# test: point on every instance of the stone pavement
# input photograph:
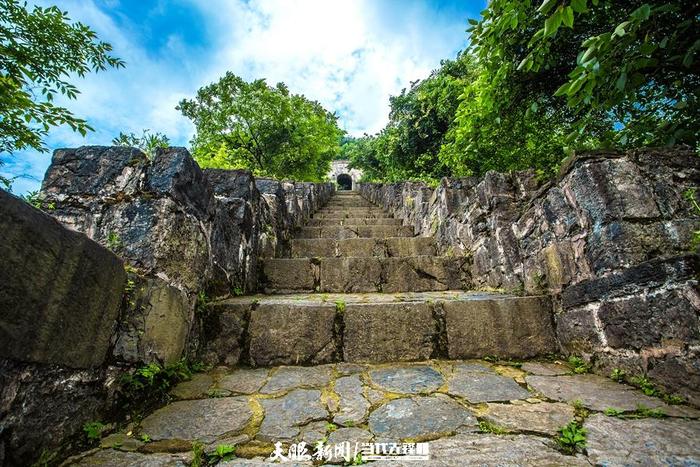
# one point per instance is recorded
(470, 412)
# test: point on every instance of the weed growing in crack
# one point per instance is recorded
(572, 438)
(93, 431)
(643, 383)
(340, 306)
(198, 456)
(612, 412)
(223, 453)
(149, 385)
(674, 399)
(643, 411)
(617, 375)
(114, 243)
(488, 427)
(580, 412)
(578, 365)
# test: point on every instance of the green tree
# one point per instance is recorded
(148, 142)
(562, 75)
(39, 51)
(421, 116)
(262, 128)
(419, 120)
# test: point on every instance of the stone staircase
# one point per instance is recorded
(357, 286)
(361, 338)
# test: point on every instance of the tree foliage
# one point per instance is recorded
(262, 128)
(148, 142)
(545, 78)
(419, 120)
(39, 51)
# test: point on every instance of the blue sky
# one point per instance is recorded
(349, 55)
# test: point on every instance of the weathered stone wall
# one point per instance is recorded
(73, 320)
(610, 238)
(184, 232)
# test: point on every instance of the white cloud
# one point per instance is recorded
(348, 55)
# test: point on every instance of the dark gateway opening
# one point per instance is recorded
(344, 182)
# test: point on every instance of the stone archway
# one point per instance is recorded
(340, 167)
(344, 182)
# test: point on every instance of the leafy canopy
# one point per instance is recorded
(39, 50)
(543, 79)
(419, 119)
(261, 128)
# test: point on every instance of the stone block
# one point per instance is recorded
(350, 274)
(577, 331)
(155, 325)
(649, 319)
(518, 327)
(312, 247)
(289, 274)
(282, 334)
(223, 333)
(388, 332)
(61, 292)
(410, 246)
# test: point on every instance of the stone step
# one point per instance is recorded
(365, 274)
(356, 231)
(324, 222)
(350, 215)
(350, 203)
(357, 209)
(323, 328)
(362, 247)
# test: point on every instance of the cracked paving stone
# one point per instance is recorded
(373, 396)
(121, 442)
(478, 386)
(546, 369)
(407, 380)
(291, 377)
(353, 406)
(203, 419)
(487, 449)
(244, 381)
(419, 417)
(196, 388)
(285, 415)
(351, 435)
(598, 393)
(649, 441)
(313, 433)
(345, 369)
(113, 458)
(545, 417)
(471, 367)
